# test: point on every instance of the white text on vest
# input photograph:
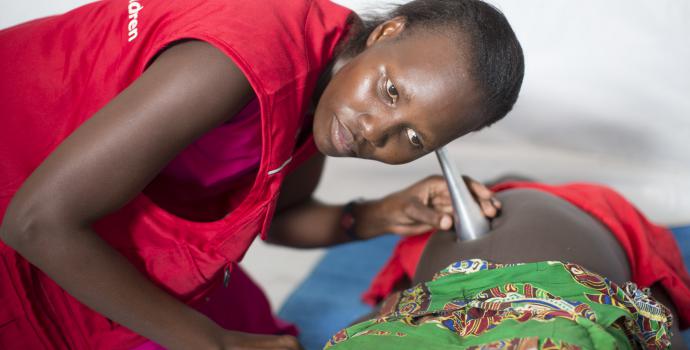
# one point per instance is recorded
(134, 8)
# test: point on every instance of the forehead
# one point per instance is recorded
(432, 70)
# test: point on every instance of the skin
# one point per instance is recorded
(392, 125)
(564, 233)
(188, 90)
(396, 102)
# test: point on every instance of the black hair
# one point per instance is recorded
(498, 64)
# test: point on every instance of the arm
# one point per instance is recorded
(300, 220)
(304, 222)
(188, 90)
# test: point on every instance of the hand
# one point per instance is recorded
(489, 204)
(244, 341)
(421, 207)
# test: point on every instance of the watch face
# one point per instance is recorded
(347, 220)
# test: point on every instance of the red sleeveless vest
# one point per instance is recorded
(58, 71)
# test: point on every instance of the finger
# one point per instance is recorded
(488, 208)
(426, 183)
(422, 214)
(484, 197)
(448, 209)
(441, 200)
(433, 180)
(288, 342)
(284, 342)
(438, 194)
(496, 203)
(435, 187)
(443, 206)
(477, 188)
(411, 230)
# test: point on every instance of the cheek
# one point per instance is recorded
(397, 152)
(353, 88)
(332, 101)
(321, 133)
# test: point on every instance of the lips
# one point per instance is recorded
(342, 137)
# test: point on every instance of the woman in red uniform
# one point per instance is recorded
(146, 143)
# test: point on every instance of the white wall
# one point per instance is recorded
(606, 98)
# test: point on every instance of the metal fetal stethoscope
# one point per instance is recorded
(469, 221)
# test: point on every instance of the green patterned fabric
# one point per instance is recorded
(475, 304)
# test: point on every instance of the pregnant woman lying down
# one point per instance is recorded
(550, 275)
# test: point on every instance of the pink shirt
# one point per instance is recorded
(222, 155)
(211, 176)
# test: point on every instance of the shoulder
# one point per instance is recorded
(232, 11)
(276, 43)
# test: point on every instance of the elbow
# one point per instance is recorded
(273, 237)
(24, 225)
(278, 237)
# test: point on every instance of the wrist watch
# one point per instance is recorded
(348, 221)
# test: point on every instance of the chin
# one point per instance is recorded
(321, 141)
(320, 146)
(326, 148)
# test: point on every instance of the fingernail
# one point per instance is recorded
(446, 222)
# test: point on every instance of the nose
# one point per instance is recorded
(375, 129)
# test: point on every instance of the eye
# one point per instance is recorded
(414, 138)
(391, 91)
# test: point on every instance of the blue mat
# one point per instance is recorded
(329, 299)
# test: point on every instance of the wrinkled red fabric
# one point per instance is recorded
(652, 251)
(59, 71)
(241, 297)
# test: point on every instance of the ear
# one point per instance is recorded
(386, 30)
